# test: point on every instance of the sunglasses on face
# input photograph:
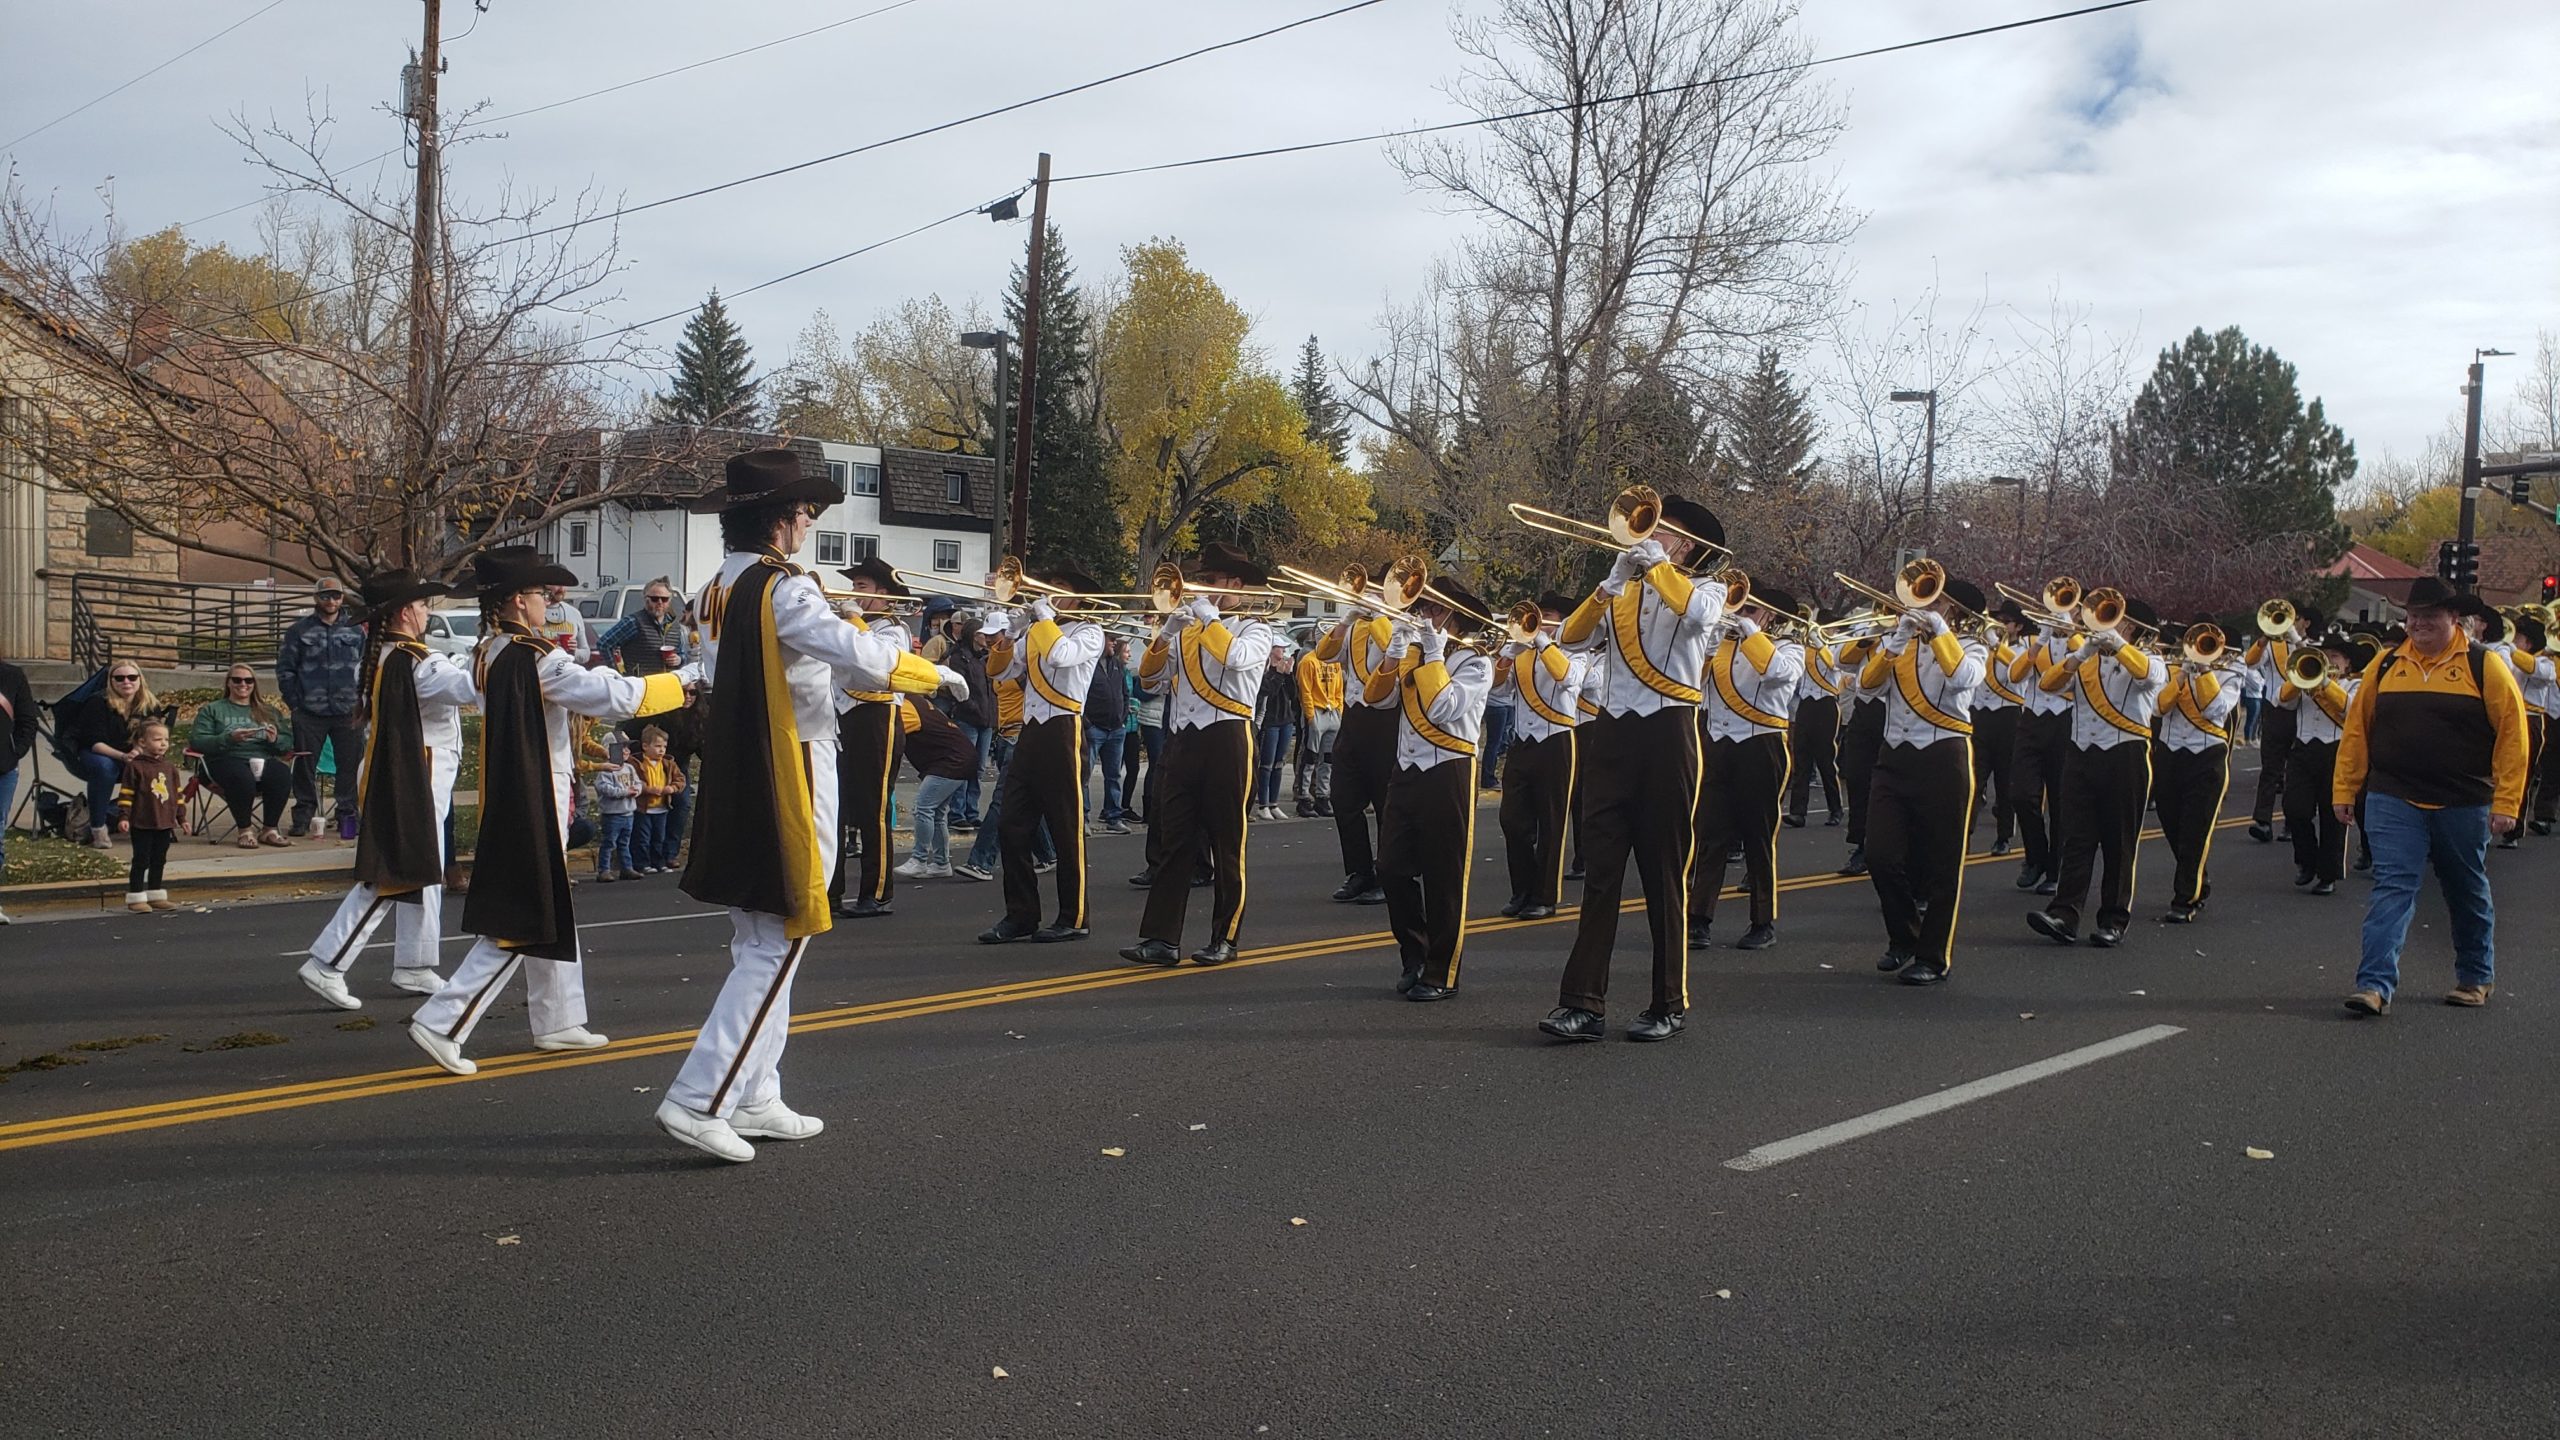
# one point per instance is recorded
(124, 679)
(242, 679)
(658, 599)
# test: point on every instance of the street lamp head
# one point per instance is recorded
(2018, 480)
(2486, 354)
(1909, 397)
(983, 339)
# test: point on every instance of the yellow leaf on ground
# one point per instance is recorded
(1115, 1152)
(2254, 1153)
(1297, 1220)
(1000, 1373)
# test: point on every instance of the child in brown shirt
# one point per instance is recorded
(150, 796)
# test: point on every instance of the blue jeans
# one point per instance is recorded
(1272, 754)
(1104, 750)
(2404, 839)
(982, 851)
(980, 736)
(649, 840)
(1497, 738)
(103, 775)
(613, 843)
(8, 796)
(2249, 707)
(933, 820)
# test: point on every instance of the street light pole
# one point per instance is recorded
(1928, 462)
(2471, 391)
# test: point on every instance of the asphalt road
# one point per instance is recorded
(1501, 1236)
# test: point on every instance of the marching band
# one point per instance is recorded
(1675, 717)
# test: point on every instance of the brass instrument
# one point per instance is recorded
(1524, 623)
(1349, 588)
(1737, 587)
(2037, 608)
(2204, 645)
(2103, 608)
(1633, 517)
(2276, 618)
(889, 604)
(2061, 594)
(2307, 669)
(1408, 583)
(1167, 591)
(1920, 584)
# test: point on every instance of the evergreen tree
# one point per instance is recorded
(2222, 413)
(1765, 429)
(1072, 518)
(715, 380)
(1328, 420)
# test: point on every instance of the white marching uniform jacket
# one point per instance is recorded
(1926, 685)
(2319, 716)
(1207, 667)
(2026, 669)
(1751, 684)
(861, 683)
(1440, 691)
(1052, 661)
(1821, 679)
(1648, 640)
(570, 690)
(2536, 677)
(1359, 643)
(2195, 709)
(1547, 680)
(2112, 696)
(1996, 692)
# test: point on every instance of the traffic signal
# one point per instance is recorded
(2466, 563)
(2551, 587)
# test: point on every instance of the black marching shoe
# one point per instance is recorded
(1406, 981)
(1306, 809)
(1857, 861)
(2364, 859)
(2538, 827)
(1657, 1024)
(1142, 879)
(2028, 874)
(1892, 960)
(1573, 871)
(2051, 884)
(2044, 924)
(2284, 837)
(1005, 932)
(1352, 888)
(1374, 895)
(1792, 822)
(2262, 833)
(865, 908)
(2325, 887)
(2106, 937)
(1423, 991)
(1514, 905)
(1200, 878)
(2001, 846)
(1924, 972)
(1566, 1023)
(1832, 821)
(1152, 952)
(1216, 952)
(1053, 933)
(1698, 935)
(1537, 912)
(1733, 853)
(1325, 808)
(2302, 876)
(1758, 937)
(2513, 839)
(2180, 915)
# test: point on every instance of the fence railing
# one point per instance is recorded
(176, 622)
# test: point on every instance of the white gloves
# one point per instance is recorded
(690, 676)
(1649, 553)
(1744, 627)
(1202, 609)
(2107, 640)
(1036, 612)
(1434, 643)
(953, 682)
(1936, 622)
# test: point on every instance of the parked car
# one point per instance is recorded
(453, 632)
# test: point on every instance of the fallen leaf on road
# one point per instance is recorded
(1115, 1152)
(2026, 1014)
(2137, 992)
(639, 1089)
(1826, 967)
(2254, 1153)
(1297, 1220)
(1724, 1294)
(1000, 1373)
(509, 1239)
(1199, 1127)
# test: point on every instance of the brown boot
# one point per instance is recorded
(2471, 995)
(2367, 1002)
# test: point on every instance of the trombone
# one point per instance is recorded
(2276, 618)
(2307, 669)
(1920, 584)
(2103, 607)
(2055, 609)
(1408, 583)
(1634, 516)
(1348, 588)
(1167, 591)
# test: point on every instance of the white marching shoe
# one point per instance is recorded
(328, 984)
(774, 1120)
(444, 1052)
(417, 979)
(707, 1133)
(576, 1037)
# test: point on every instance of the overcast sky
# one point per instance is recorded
(2372, 187)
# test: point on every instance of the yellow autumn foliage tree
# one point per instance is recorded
(1190, 413)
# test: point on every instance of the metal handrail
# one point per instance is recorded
(178, 622)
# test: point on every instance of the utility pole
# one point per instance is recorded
(1032, 298)
(423, 326)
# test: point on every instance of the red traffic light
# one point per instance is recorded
(2551, 587)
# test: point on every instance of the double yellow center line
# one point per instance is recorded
(98, 1124)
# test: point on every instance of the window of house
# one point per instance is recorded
(577, 537)
(955, 486)
(111, 538)
(840, 475)
(866, 480)
(865, 547)
(831, 547)
(946, 556)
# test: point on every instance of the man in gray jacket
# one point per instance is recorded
(317, 668)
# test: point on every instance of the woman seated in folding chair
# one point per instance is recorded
(241, 745)
(98, 740)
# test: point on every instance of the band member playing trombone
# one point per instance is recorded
(2536, 677)
(1922, 678)
(2282, 629)
(1647, 627)
(2194, 764)
(1748, 704)
(1053, 660)
(1364, 750)
(1427, 828)
(1861, 742)
(1996, 708)
(2044, 739)
(2114, 686)
(1538, 768)
(1813, 736)
(870, 739)
(2318, 702)
(1209, 667)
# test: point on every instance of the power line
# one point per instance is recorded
(592, 94)
(145, 75)
(796, 274)
(1597, 100)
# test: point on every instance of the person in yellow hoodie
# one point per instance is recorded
(2436, 742)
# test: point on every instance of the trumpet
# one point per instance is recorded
(2307, 669)
(2276, 618)
(1634, 516)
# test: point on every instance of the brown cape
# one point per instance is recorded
(400, 850)
(519, 874)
